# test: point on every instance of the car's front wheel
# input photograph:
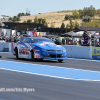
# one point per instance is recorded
(60, 60)
(32, 55)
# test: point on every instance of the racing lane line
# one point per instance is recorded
(84, 59)
(49, 75)
(57, 72)
(50, 66)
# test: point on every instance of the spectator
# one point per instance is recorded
(86, 37)
(3, 38)
(63, 41)
(22, 37)
(53, 39)
(69, 43)
(18, 38)
(7, 39)
(67, 40)
(12, 39)
(15, 40)
(80, 41)
(57, 41)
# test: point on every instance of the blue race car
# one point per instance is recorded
(39, 48)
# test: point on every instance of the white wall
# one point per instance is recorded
(78, 51)
(5, 45)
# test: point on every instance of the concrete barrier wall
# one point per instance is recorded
(5, 47)
(78, 51)
(72, 51)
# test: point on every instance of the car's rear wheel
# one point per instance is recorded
(32, 55)
(16, 52)
(60, 60)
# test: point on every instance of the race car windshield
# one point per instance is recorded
(35, 40)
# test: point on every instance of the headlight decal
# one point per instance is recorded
(54, 50)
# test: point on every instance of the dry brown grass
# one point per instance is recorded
(56, 17)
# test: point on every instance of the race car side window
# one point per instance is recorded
(24, 40)
(34, 40)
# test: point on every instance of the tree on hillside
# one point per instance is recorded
(89, 11)
(10, 19)
(29, 21)
(81, 13)
(76, 24)
(52, 25)
(23, 14)
(67, 17)
(36, 20)
(75, 14)
(14, 19)
(27, 14)
(98, 12)
(18, 19)
(44, 22)
(62, 25)
(71, 24)
(40, 21)
(25, 22)
(67, 26)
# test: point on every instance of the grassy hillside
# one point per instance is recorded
(56, 17)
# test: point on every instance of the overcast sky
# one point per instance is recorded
(13, 7)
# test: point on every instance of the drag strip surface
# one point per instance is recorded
(51, 71)
(69, 63)
(46, 88)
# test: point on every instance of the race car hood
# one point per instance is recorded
(49, 46)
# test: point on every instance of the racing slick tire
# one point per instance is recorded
(60, 60)
(32, 55)
(35, 59)
(0, 56)
(16, 53)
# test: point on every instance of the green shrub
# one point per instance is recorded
(87, 19)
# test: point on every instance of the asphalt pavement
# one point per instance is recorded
(69, 63)
(48, 88)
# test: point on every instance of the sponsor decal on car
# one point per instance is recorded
(46, 43)
(37, 55)
(24, 51)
